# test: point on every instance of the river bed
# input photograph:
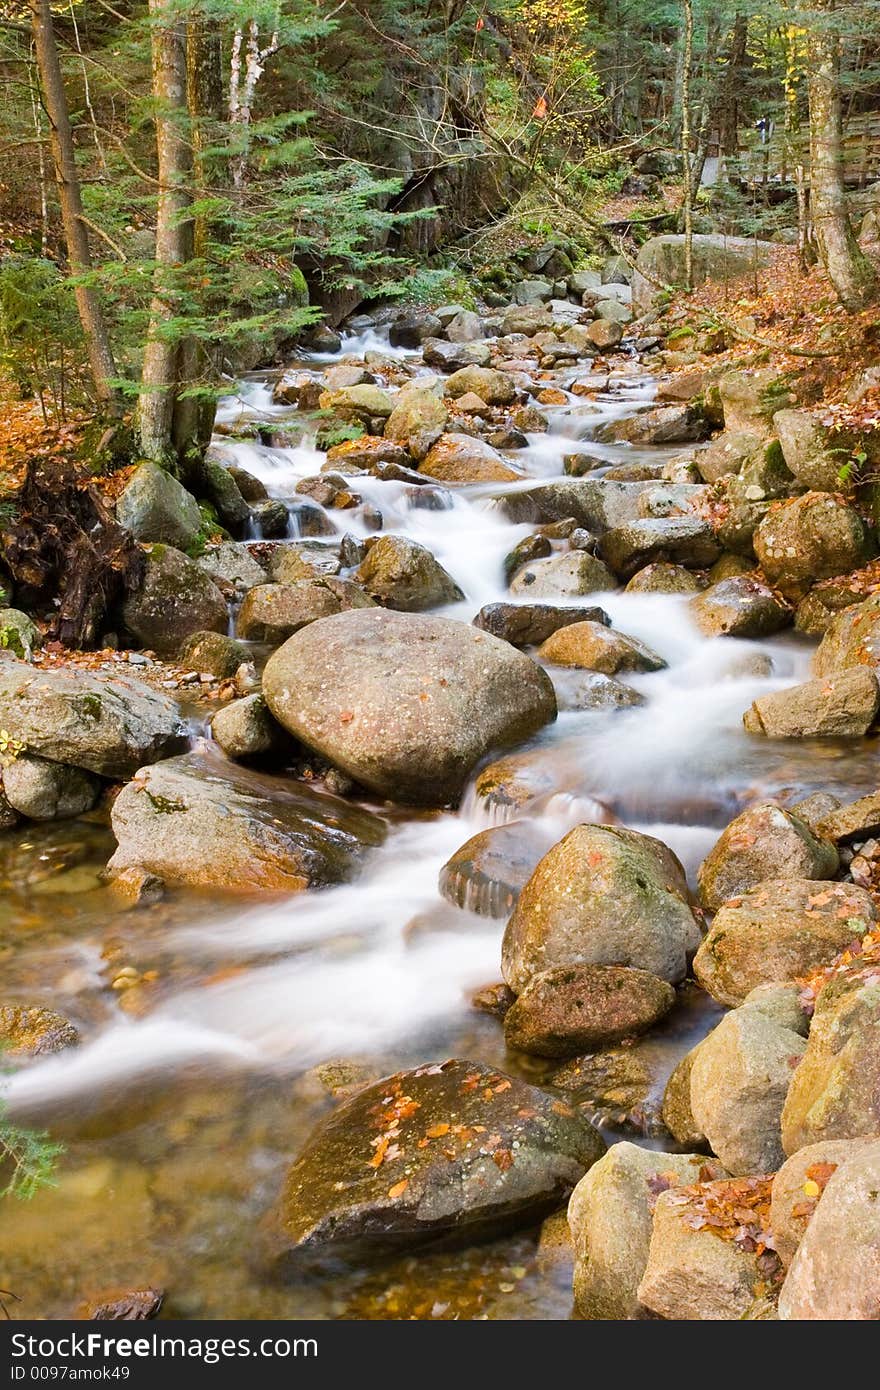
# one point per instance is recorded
(203, 1019)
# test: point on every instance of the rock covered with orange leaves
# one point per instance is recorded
(451, 1149)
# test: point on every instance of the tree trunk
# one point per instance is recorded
(161, 373)
(687, 170)
(78, 253)
(849, 270)
(193, 417)
(729, 112)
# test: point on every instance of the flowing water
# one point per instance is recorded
(205, 1021)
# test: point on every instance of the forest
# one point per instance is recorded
(439, 661)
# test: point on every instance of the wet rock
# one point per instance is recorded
(683, 540)
(155, 507)
(107, 725)
(602, 896)
(528, 624)
(9, 818)
(122, 1305)
(364, 403)
(246, 729)
(418, 413)
(610, 1214)
(807, 454)
(535, 547)
(604, 334)
(835, 1274)
(451, 357)
(692, 1274)
(493, 999)
(570, 1008)
(406, 704)
(273, 612)
(791, 1207)
(412, 327)
(18, 634)
(672, 499)
(817, 609)
(290, 385)
(493, 387)
(533, 292)
(764, 842)
(634, 473)
(781, 930)
(174, 599)
(449, 1150)
(677, 1111)
(661, 424)
(305, 560)
(214, 653)
(367, 452)
(182, 821)
(34, 1032)
(664, 578)
(739, 607)
(852, 639)
(526, 319)
(593, 502)
(509, 784)
(487, 873)
(592, 690)
(270, 518)
(251, 489)
(612, 311)
(810, 538)
(401, 574)
(232, 563)
(461, 458)
(223, 493)
(329, 490)
(465, 327)
(563, 576)
(135, 887)
(739, 1079)
(857, 820)
(835, 1092)
(593, 647)
(613, 1084)
(44, 791)
(841, 706)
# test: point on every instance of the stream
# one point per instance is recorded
(193, 1089)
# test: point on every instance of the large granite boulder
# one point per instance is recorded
(173, 599)
(108, 725)
(780, 930)
(602, 896)
(764, 842)
(405, 703)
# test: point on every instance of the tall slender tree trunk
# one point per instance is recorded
(687, 167)
(729, 106)
(193, 415)
(849, 270)
(161, 375)
(70, 195)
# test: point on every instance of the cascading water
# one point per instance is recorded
(181, 1115)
